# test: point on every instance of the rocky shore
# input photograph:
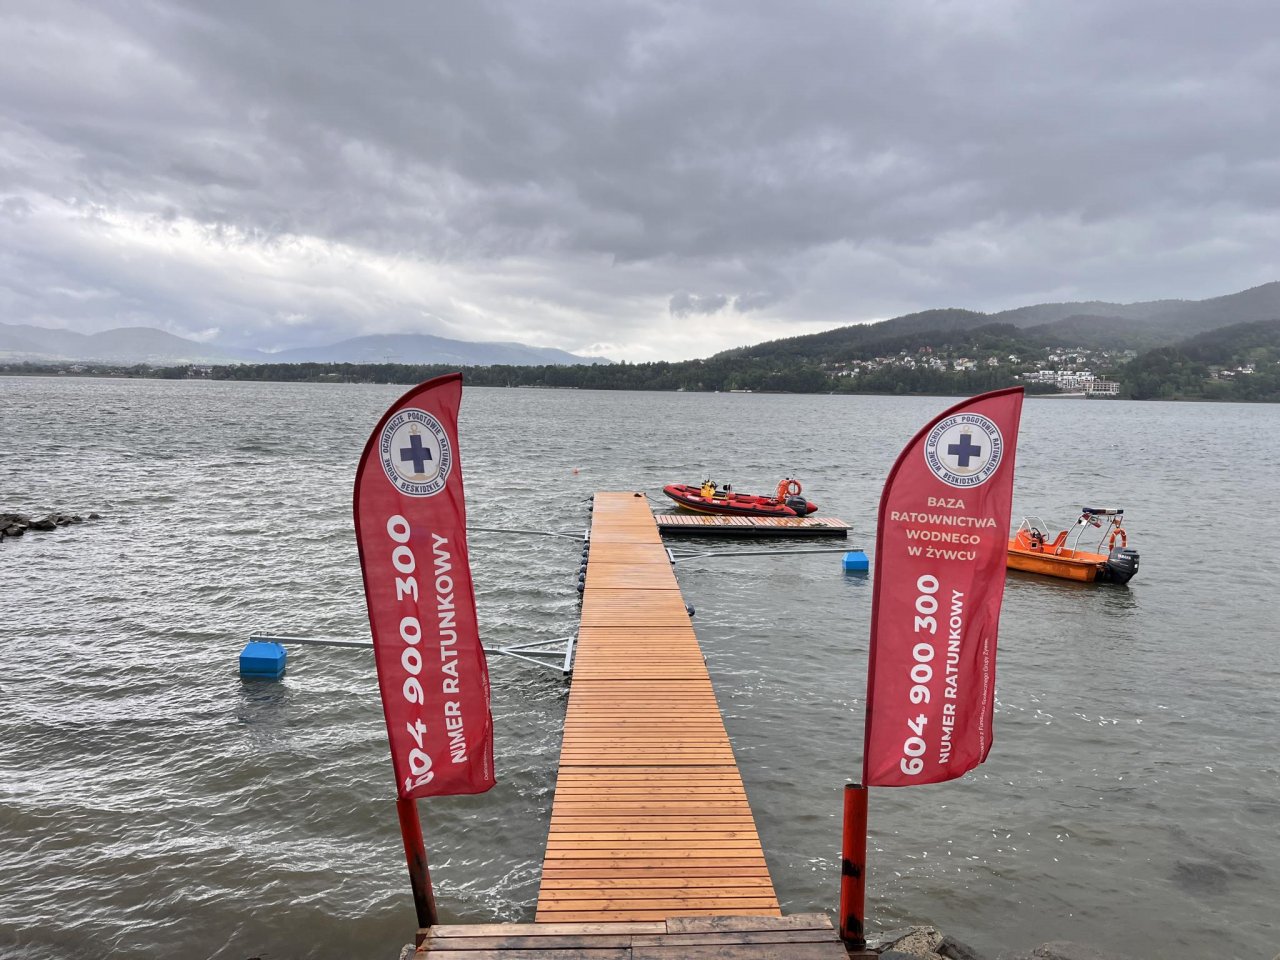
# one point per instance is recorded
(16, 524)
(927, 943)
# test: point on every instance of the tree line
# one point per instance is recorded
(1239, 363)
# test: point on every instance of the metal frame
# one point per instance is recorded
(557, 657)
(1088, 518)
(680, 558)
(556, 654)
(1115, 521)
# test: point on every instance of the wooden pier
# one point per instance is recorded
(719, 525)
(652, 850)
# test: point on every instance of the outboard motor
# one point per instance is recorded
(800, 505)
(1121, 565)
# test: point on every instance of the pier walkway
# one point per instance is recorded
(650, 818)
(652, 850)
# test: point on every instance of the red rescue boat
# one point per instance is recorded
(709, 498)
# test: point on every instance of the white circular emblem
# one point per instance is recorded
(964, 450)
(415, 453)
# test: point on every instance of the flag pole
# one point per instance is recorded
(853, 868)
(415, 851)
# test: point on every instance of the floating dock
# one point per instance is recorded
(650, 818)
(652, 850)
(719, 525)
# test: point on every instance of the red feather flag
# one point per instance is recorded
(411, 528)
(939, 582)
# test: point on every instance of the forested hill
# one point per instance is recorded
(845, 343)
(1163, 349)
(1239, 362)
(1092, 324)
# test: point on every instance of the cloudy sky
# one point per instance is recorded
(641, 180)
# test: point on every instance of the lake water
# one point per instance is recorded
(152, 804)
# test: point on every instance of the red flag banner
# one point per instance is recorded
(411, 528)
(939, 580)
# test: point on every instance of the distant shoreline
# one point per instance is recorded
(129, 375)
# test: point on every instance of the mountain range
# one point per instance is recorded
(1095, 324)
(133, 345)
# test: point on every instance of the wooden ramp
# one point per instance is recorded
(800, 937)
(650, 818)
(718, 525)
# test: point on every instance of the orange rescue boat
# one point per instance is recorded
(1032, 550)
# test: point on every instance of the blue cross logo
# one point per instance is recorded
(417, 453)
(962, 451)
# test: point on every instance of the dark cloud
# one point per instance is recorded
(582, 175)
(689, 304)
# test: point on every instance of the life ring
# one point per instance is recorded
(1124, 538)
(788, 488)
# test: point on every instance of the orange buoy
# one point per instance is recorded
(788, 488)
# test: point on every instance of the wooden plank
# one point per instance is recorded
(641, 830)
(463, 930)
(639, 895)
(514, 943)
(636, 883)
(780, 951)
(657, 773)
(797, 921)
(452, 950)
(675, 905)
(686, 524)
(710, 871)
(685, 819)
(619, 783)
(657, 913)
(624, 856)
(712, 939)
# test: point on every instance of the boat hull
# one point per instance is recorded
(1055, 560)
(1082, 567)
(731, 504)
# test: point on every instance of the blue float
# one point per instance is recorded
(855, 561)
(262, 660)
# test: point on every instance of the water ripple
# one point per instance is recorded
(171, 808)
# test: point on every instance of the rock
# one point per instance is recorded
(954, 949)
(886, 940)
(914, 942)
(13, 524)
(16, 524)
